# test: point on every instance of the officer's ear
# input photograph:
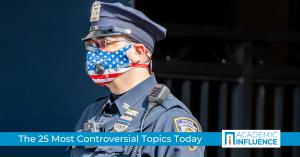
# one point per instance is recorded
(141, 49)
(140, 54)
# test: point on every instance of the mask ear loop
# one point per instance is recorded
(147, 65)
(150, 62)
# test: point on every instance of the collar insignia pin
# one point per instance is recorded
(126, 106)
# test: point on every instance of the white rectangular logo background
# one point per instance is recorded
(250, 138)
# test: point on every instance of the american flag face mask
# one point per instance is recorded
(103, 67)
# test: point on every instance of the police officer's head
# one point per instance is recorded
(109, 19)
(119, 29)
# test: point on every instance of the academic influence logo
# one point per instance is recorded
(250, 138)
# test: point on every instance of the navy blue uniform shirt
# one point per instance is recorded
(170, 116)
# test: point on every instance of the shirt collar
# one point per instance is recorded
(131, 97)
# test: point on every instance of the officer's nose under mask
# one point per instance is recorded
(103, 67)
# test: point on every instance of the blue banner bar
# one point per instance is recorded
(124, 139)
(290, 139)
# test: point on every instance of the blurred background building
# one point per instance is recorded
(235, 63)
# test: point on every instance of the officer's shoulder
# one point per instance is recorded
(172, 102)
(175, 119)
(177, 112)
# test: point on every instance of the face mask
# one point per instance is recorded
(103, 67)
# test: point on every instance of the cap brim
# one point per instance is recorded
(95, 34)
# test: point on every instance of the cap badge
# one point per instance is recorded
(95, 11)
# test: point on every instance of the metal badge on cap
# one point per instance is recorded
(95, 11)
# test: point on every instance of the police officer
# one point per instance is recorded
(119, 47)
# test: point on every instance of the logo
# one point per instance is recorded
(250, 138)
(230, 138)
